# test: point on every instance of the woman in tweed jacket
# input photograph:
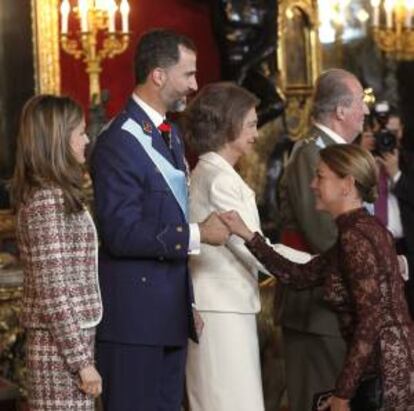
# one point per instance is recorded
(58, 247)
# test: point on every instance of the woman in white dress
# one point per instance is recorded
(223, 370)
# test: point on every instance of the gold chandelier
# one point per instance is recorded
(392, 27)
(98, 37)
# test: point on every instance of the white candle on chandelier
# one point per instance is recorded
(124, 8)
(64, 12)
(111, 7)
(409, 6)
(83, 13)
(389, 9)
(100, 4)
(375, 8)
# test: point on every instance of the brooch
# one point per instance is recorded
(147, 127)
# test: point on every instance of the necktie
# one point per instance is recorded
(381, 205)
(165, 130)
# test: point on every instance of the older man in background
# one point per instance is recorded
(314, 348)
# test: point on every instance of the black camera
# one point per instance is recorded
(385, 140)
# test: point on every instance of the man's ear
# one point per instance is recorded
(340, 112)
(159, 77)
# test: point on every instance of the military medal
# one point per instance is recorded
(147, 127)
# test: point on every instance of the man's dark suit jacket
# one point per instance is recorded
(145, 284)
(404, 191)
(305, 310)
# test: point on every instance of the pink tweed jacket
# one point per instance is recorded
(61, 289)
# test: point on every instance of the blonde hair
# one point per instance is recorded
(351, 160)
(43, 154)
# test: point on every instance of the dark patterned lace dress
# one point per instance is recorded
(362, 283)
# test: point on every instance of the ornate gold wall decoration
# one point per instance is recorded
(46, 45)
(46, 68)
(11, 333)
(299, 60)
(253, 168)
(99, 38)
(299, 65)
(7, 223)
(392, 27)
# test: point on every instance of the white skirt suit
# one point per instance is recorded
(223, 371)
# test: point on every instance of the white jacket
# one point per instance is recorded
(224, 278)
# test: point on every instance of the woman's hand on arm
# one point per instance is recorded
(236, 225)
(403, 266)
(198, 322)
(90, 381)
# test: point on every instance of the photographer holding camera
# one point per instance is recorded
(395, 204)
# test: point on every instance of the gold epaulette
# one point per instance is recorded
(312, 138)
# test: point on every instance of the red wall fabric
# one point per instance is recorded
(191, 17)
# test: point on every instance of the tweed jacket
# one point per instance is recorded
(59, 256)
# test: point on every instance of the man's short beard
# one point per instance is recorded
(178, 106)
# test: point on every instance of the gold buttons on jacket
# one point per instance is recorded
(178, 247)
(144, 279)
(179, 229)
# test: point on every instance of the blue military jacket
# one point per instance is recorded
(144, 234)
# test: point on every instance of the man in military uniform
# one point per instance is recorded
(314, 348)
(141, 203)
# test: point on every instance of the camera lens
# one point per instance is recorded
(385, 141)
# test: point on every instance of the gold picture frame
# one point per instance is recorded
(45, 38)
(299, 58)
(45, 30)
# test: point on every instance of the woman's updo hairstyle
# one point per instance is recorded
(351, 160)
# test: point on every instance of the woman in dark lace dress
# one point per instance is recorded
(361, 279)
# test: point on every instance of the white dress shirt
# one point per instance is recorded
(334, 136)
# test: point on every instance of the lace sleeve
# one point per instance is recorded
(297, 275)
(360, 268)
